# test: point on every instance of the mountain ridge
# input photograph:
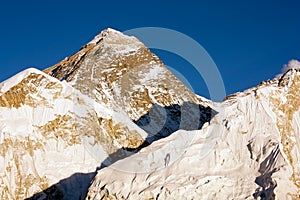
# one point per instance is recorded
(265, 151)
(113, 109)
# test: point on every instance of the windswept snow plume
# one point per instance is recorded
(292, 64)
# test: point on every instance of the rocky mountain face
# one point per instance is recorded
(56, 132)
(120, 71)
(250, 150)
(111, 122)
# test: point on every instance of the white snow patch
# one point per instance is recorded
(154, 73)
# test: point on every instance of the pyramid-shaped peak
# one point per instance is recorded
(105, 47)
(110, 34)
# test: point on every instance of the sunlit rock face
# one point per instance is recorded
(111, 122)
(59, 126)
(119, 70)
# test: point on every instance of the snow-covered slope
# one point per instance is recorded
(55, 132)
(49, 131)
(114, 98)
(249, 150)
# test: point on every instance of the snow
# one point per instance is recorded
(103, 33)
(219, 161)
(113, 39)
(292, 64)
(154, 72)
(8, 125)
(236, 155)
(9, 83)
(55, 159)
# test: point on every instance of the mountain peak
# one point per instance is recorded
(106, 33)
(119, 70)
(107, 46)
(7, 84)
(115, 97)
(289, 76)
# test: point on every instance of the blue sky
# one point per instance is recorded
(249, 41)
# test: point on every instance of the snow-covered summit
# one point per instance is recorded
(115, 102)
(7, 84)
(122, 72)
(110, 33)
(91, 111)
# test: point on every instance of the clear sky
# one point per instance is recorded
(249, 41)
